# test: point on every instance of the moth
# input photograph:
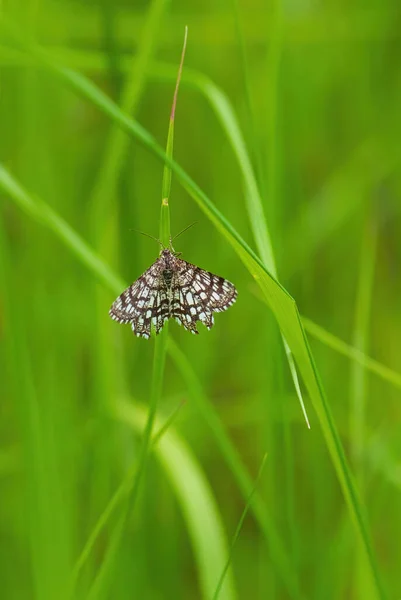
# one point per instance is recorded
(172, 289)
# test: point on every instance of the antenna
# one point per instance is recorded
(185, 229)
(148, 235)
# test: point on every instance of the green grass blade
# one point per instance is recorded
(44, 506)
(104, 211)
(225, 113)
(160, 347)
(274, 51)
(118, 497)
(45, 215)
(237, 531)
(354, 354)
(206, 410)
(166, 185)
(341, 196)
(252, 137)
(104, 193)
(102, 582)
(358, 381)
(228, 120)
(198, 505)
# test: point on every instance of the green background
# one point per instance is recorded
(289, 106)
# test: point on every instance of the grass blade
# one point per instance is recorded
(46, 510)
(103, 198)
(160, 347)
(238, 530)
(206, 410)
(166, 186)
(352, 353)
(358, 379)
(103, 218)
(118, 497)
(198, 505)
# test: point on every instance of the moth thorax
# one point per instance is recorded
(167, 276)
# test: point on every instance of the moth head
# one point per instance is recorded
(168, 251)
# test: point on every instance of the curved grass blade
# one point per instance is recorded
(244, 481)
(354, 354)
(197, 502)
(119, 495)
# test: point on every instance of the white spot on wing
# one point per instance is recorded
(190, 298)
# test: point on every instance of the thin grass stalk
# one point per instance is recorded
(238, 530)
(250, 112)
(102, 580)
(103, 198)
(162, 338)
(117, 498)
(36, 487)
(271, 196)
(206, 410)
(109, 377)
(272, 199)
(159, 360)
(198, 506)
(358, 378)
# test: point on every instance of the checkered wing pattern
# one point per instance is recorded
(197, 294)
(172, 288)
(143, 303)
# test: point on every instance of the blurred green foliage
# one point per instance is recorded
(316, 90)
